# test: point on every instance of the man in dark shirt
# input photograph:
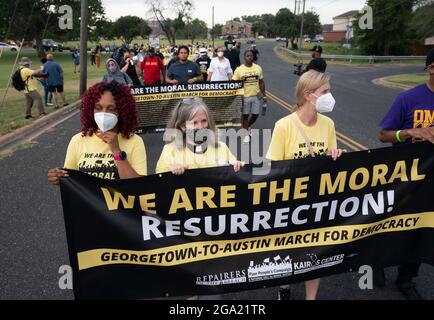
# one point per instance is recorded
(232, 54)
(159, 54)
(129, 67)
(183, 71)
(317, 63)
(203, 62)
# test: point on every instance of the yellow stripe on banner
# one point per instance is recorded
(207, 250)
(187, 94)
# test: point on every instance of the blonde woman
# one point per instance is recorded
(306, 132)
(192, 141)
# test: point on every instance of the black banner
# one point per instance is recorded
(155, 103)
(212, 230)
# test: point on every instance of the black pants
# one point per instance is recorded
(408, 271)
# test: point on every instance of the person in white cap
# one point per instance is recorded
(30, 88)
(204, 62)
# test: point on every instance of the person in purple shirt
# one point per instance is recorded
(410, 119)
(411, 116)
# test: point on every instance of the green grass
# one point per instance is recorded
(13, 109)
(410, 80)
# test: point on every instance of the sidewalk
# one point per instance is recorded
(37, 127)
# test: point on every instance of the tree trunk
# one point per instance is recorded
(39, 48)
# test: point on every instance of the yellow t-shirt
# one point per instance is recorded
(251, 78)
(91, 155)
(212, 157)
(287, 142)
(30, 81)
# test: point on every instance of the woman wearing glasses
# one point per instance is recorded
(192, 142)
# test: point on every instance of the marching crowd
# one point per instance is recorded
(109, 118)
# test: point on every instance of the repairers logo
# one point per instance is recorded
(237, 276)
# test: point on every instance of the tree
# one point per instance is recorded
(286, 24)
(422, 21)
(129, 27)
(217, 30)
(391, 33)
(261, 24)
(35, 20)
(182, 10)
(195, 29)
(103, 29)
(312, 26)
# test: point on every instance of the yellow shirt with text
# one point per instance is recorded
(287, 143)
(251, 77)
(212, 157)
(93, 156)
(29, 80)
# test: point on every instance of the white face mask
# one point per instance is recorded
(220, 54)
(325, 103)
(105, 120)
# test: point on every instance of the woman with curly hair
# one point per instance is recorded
(106, 147)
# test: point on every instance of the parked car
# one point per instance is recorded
(51, 45)
(307, 39)
(261, 37)
(8, 47)
(250, 41)
(277, 39)
(319, 38)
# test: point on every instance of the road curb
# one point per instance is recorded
(384, 83)
(21, 134)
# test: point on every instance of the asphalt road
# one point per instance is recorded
(32, 233)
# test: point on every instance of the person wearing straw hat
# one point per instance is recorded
(31, 90)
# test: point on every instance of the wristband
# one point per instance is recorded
(398, 138)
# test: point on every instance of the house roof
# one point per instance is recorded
(349, 14)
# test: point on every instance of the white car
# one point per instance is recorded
(278, 39)
(8, 47)
(307, 39)
(261, 37)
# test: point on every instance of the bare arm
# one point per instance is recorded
(262, 87)
(424, 134)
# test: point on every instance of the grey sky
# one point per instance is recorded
(226, 9)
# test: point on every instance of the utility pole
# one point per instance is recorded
(83, 45)
(302, 22)
(295, 6)
(212, 33)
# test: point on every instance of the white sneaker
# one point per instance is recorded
(246, 139)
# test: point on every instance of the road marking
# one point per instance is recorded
(354, 145)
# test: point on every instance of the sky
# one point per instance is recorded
(225, 10)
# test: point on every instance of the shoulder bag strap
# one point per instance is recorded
(303, 134)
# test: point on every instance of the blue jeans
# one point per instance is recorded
(47, 95)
